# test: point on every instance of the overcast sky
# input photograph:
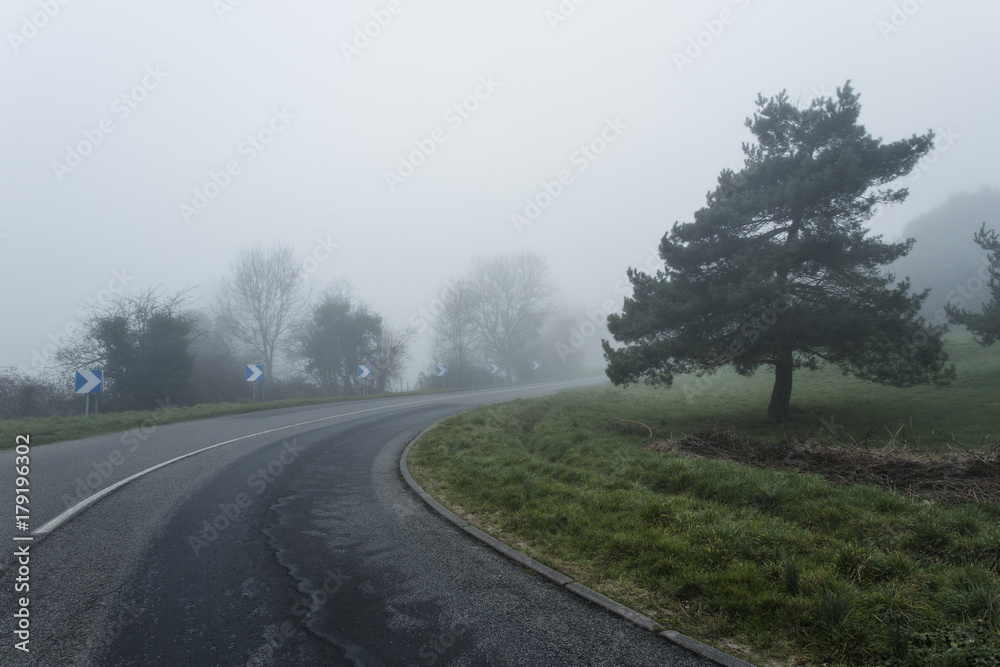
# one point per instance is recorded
(118, 117)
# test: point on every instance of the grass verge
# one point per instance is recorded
(45, 430)
(778, 567)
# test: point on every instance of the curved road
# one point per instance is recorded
(293, 543)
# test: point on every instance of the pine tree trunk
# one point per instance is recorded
(781, 395)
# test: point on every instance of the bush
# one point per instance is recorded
(22, 395)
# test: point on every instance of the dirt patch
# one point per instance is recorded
(961, 476)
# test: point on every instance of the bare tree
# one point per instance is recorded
(390, 356)
(262, 299)
(455, 336)
(514, 295)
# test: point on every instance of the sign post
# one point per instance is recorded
(364, 373)
(89, 381)
(255, 374)
(442, 372)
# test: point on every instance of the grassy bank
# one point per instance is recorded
(778, 567)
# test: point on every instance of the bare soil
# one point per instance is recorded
(962, 475)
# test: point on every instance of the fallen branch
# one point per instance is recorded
(628, 421)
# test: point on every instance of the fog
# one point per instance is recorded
(145, 143)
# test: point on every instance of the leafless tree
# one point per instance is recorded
(514, 295)
(390, 356)
(455, 338)
(262, 299)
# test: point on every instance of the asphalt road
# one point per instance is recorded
(294, 543)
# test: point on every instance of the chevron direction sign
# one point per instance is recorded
(535, 365)
(90, 381)
(494, 369)
(364, 371)
(255, 372)
(442, 370)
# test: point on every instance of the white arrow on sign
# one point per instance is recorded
(442, 370)
(254, 372)
(91, 382)
(535, 365)
(494, 368)
(364, 372)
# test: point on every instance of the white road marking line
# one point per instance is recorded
(90, 500)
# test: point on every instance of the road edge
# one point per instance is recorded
(632, 616)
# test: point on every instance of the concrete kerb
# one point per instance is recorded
(561, 580)
(704, 650)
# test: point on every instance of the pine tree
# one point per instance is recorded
(985, 325)
(779, 269)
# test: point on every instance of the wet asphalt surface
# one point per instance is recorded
(302, 546)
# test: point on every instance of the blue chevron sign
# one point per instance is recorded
(89, 381)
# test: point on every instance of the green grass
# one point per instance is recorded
(930, 417)
(774, 566)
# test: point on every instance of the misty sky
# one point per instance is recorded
(308, 119)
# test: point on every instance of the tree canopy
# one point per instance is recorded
(142, 343)
(779, 269)
(342, 333)
(986, 324)
(339, 335)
